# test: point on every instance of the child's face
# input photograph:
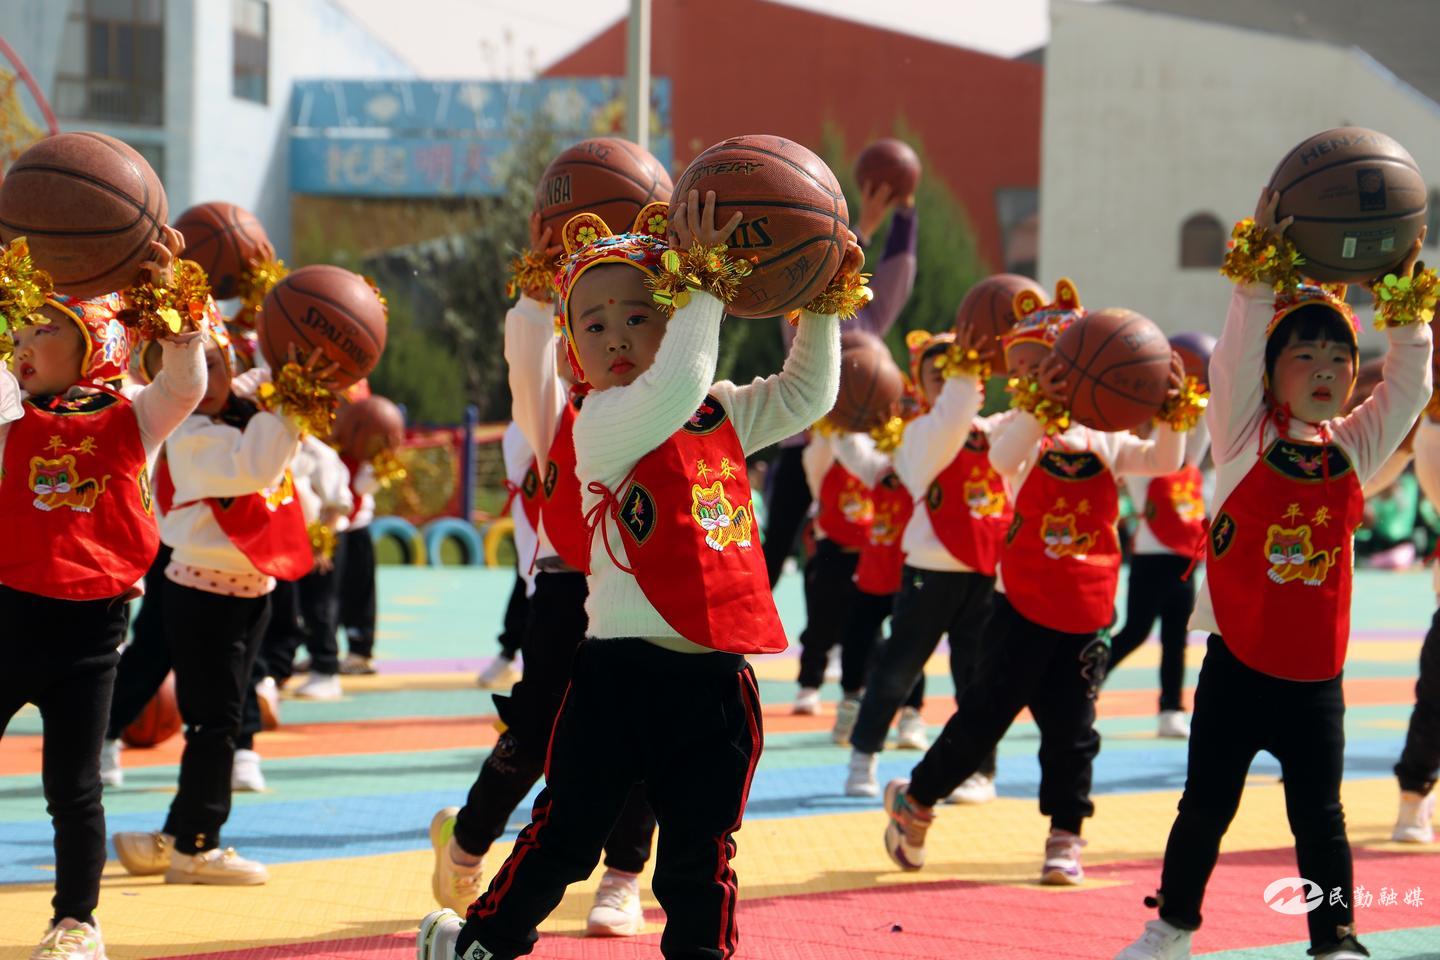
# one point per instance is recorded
(616, 324)
(217, 383)
(1024, 359)
(1314, 377)
(932, 381)
(48, 354)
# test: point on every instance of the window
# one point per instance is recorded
(112, 64)
(251, 71)
(1017, 210)
(1202, 242)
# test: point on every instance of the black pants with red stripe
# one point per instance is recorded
(701, 713)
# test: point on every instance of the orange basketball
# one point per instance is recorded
(989, 307)
(889, 161)
(89, 206)
(365, 427)
(870, 383)
(223, 239)
(1119, 368)
(795, 229)
(606, 176)
(328, 308)
(159, 721)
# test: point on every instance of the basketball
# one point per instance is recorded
(1358, 199)
(365, 427)
(1195, 350)
(989, 307)
(329, 308)
(796, 225)
(223, 239)
(889, 161)
(870, 383)
(89, 206)
(159, 721)
(606, 176)
(1119, 368)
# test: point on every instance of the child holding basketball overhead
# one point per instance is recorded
(1054, 591)
(1276, 597)
(679, 592)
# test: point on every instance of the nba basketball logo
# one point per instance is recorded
(1370, 182)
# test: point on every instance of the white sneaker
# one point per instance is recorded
(455, 885)
(807, 702)
(355, 665)
(71, 940)
(1413, 825)
(861, 782)
(1062, 860)
(1160, 941)
(267, 695)
(320, 686)
(110, 773)
(910, 731)
(1174, 725)
(499, 675)
(977, 788)
(245, 774)
(832, 665)
(845, 714)
(144, 854)
(905, 833)
(616, 911)
(438, 933)
(218, 867)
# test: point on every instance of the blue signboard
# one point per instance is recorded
(417, 138)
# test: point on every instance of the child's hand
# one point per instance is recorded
(968, 338)
(1265, 213)
(1176, 384)
(265, 253)
(1051, 377)
(853, 260)
(540, 239)
(159, 270)
(314, 366)
(691, 225)
(876, 199)
(1412, 264)
(323, 564)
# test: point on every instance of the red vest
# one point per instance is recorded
(1175, 511)
(75, 495)
(1279, 561)
(882, 558)
(1061, 559)
(562, 513)
(969, 506)
(688, 525)
(845, 508)
(267, 527)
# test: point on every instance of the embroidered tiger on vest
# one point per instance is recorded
(855, 503)
(722, 522)
(983, 500)
(1293, 557)
(55, 484)
(1062, 539)
(884, 531)
(1186, 501)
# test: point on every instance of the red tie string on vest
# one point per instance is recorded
(1282, 417)
(609, 505)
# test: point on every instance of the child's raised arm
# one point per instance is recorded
(175, 392)
(769, 409)
(536, 391)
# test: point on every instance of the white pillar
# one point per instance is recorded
(637, 73)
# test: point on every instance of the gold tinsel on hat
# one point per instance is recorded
(708, 268)
(531, 273)
(1025, 394)
(24, 288)
(154, 312)
(1180, 413)
(292, 394)
(1404, 300)
(1259, 256)
(844, 297)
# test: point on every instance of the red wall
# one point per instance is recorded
(748, 66)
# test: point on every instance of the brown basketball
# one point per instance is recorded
(989, 307)
(1358, 200)
(795, 228)
(223, 239)
(365, 427)
(889, 161)
(329, 308)
(606, 176)
(1119, 368)
(89, 206)
(159, 721)
(870, 383)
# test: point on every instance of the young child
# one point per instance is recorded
(233, 523)
(75, 497)
(355, 550)
(522, 480)
(1055, 587)
(1276, 598)
(678, 588)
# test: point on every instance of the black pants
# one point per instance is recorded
(1157, 590)
(930, 604)
(1420, 760)
(517, 612)
(213, 642)
(1057, 675)
(787, 500)
(312, 619)
(284, 633)
(701, 714)
(830, 595)
(860, 646)
(356, 564)
(60, 655)
(1238, 713)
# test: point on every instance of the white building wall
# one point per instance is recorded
(1151, 118)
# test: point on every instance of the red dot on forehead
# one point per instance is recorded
(612, 300)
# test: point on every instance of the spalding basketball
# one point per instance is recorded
(989, 307)
(365, 427)
(1195, 350)
(795, 229)
(328, 308)
(159, 721)
(223, 239)
(870, 383)
(606, 176)
(1358, 200)
(889, 161)
(1119, 368)
(89, 206)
